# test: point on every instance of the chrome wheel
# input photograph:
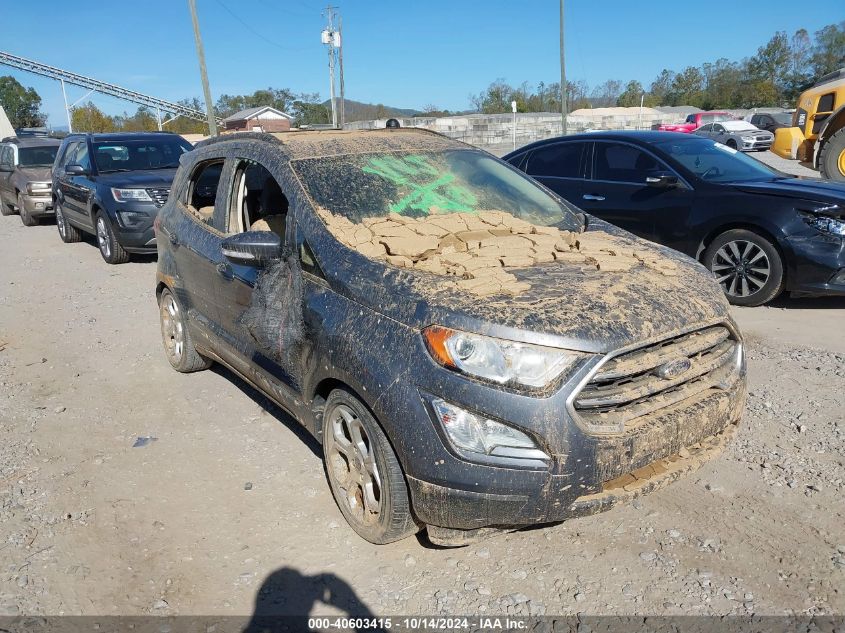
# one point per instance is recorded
(103, 238)
(172, 331)
(60, 221)
(741, 267)
(352, 464)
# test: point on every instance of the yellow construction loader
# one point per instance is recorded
(817, 137)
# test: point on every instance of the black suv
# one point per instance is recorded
(112, 186)
(470, 349)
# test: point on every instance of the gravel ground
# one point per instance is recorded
(126, 488)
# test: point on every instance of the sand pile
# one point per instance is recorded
(476, 249)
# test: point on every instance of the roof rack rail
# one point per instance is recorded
(237, 136)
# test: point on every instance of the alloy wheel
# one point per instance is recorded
(352, 464)
(103, 238)
(741, 267)
(60, 221)
(171, 328)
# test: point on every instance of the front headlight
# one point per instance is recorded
(748, 139)
(131, 195)
(477, 434)
(38, 188)
(826, 224)
(497, 360)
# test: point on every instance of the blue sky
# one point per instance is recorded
(405, 54)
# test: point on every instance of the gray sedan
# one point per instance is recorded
(740, 135)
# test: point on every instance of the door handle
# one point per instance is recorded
(590, 196)
(174, 239)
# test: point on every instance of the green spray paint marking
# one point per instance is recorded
(430, 186)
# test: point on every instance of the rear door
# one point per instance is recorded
(196, 235)
(562, 167)
(617, 191)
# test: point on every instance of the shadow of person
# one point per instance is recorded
(286, 597)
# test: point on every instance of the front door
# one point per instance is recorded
(256, 307)
(618, 193)
(7, 195)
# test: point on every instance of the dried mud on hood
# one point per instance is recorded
(602, 287)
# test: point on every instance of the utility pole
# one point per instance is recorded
(209, 109)
(331, 38)
(340, 63)
(563, 104)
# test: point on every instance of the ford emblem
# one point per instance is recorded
(674, 368)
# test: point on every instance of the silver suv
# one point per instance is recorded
(25, 183)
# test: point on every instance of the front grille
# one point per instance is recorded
(159, 196)
(634, 384)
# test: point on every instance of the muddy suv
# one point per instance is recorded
(25, 177)
(470, 350)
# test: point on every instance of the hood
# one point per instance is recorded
(143, 179)
(810, 189)
(35, 174)
(565, 305)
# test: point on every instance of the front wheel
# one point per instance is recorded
(832, 157)
(364, 474)
(110, 248)
(747, 266)
(26, 218)
(731, 143)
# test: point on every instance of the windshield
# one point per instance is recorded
(715, 118)
(715, 162)
(420, 184)
(784, 118)
(37, 156)
(133, 155)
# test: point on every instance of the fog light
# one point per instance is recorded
(39, 205)
(477, 434)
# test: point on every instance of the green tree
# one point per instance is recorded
(687, 88)
(631, 95)
(662, 86)
(89, 118)
(828, 53)
(495, 99)
(22, 105)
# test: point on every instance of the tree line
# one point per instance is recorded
(774, 76)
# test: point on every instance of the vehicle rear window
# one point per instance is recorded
(420, 184)
(134, 155)
(37, 156)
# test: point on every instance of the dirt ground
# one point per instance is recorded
(126, 488)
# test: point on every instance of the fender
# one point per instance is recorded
(833, 123)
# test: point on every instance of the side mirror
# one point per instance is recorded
(661, 179)
(74, 170)
(253, 248)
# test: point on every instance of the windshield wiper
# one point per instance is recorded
(113, 171)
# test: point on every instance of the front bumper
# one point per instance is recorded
(756, 145)
(133, 226)
(677, 441)
(818, 265)
(38, 206)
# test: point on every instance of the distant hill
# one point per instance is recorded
(359, 111)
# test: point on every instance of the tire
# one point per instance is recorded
(27, 219)
(731, 143)
(747, 266)
(364, 474)
(67, 231)
(832, 157)
(110, 248)
(176, 337)
(5, 208)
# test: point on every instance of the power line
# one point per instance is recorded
(260, 36)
